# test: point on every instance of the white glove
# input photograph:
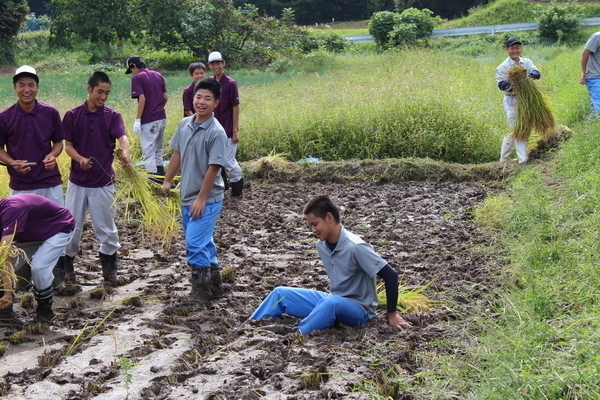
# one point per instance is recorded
(137, 127)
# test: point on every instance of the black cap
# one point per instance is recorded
(136, 60)
(511, 41)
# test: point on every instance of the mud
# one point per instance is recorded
(146, 339)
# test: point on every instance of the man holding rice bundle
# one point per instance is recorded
(590, 70)
(513, 49)
(91, 131)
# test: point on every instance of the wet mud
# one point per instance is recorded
(145, 338)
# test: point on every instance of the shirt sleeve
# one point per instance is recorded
(67, 124)
(14, 220)
(58, 134)
(235, 95)
(217, 150)
(117, 127)
(366, 258)
(136, 87)
(174, 143)
(188, 99)
(592, 43)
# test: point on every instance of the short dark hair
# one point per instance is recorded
(196, 65)
(209, 84)
(97, 78)
(319, 206)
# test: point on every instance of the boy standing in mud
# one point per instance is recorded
(199, 152)
(513, 49)
(197, 73)
(352, 266)
(91, 131)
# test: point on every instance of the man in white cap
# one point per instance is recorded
(150, 90)
(228, 114)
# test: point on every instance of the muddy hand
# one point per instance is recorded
(397, 321)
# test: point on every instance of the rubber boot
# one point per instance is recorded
(237, 188)
(216, 282)
(109, 267)
(160, 170)
(23, 278)
(7, 315)
(225, 179)
(70, 270)
(44, 304)
(201, 283)
(59, 272)
(507, 148)
(522, 151)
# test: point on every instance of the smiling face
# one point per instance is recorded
(26, 89)
(198, 74)
(324, 228)
(514, 51)
(217, 67)
(97, 95)
(204, 104)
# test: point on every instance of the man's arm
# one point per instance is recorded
(390, 277)
(7, 159)
(140, 108)
(197, 207)
(50, 160)
(235, 138)
(7, 276)
(585, 56)
(126, 147)
(165, 98)
(84, 162)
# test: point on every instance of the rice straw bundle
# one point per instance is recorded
(158, 215)
(7, 252)
(533, 108)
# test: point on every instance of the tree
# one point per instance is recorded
(12, 14)
(559, 21)
(443, 8)
(99, 21)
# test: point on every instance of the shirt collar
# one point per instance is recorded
(87, 110)
(205, 125)
(33, 111)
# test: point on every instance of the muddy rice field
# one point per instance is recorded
(146, 339)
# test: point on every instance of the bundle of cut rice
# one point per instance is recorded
(533, 108)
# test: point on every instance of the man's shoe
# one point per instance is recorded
(109, 266)
(44, 304)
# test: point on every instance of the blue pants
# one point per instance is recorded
(200, 246)
(593, 86)
(318, 309)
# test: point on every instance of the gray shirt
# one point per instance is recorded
(352, 268)
(199, 145)
(592, 69)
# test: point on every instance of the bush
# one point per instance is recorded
(404, 35)
(334, 43)
(176, 61)
(421, 19)
(380, 26)
(559, 22)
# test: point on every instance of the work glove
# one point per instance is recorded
(504, 85)
(137, 127)
(535, 74)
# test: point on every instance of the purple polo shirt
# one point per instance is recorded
(152, 85)
(229, 98)
(33, 218)
(188, 98)
(30, 135)
(93, 134)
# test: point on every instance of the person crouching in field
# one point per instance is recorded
(513, 49)
(352, 266)
(42, 229)
(199, 152)
(91, 131)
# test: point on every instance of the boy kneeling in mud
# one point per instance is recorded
(351, 265)
(42, 229)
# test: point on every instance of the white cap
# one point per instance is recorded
(215, 56)
(25, 70)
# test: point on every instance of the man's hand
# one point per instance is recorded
(235, 137)
(22, 169)
(137, 127)
(504, 85)
(197, 208)
(535, 74)
(166, 186)
(582, 80)
(85, 164)
(397, 321)
(49, 161)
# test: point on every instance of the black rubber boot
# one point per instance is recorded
(216, 282)
(201, 283)
(44, 304)
(23, 279)
(109, 266)
(160, 170)
(59, 272)
(225, 179)
(70, 270)
(237, 188)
